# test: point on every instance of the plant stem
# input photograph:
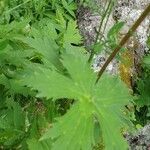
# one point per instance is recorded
(107, 19)
(99, 30)
(123, 41)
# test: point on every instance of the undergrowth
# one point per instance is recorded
(48, 96)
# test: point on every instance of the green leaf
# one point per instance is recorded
(34, 144)
(72, 35)
(98, 47)
(113, 33)
(40, 78)
(143, 86)
(67, 7)
(45, 28)
(9, 31)
(60, 19)
(115, 29)
(14, 86)
(79, 123)
(146, 60)
(47, 48)
(12, 123)
(13, 117)
(103, 102)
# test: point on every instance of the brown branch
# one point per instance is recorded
(123, 41)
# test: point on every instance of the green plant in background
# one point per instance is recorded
(106, 41)
(18, 108)
(142, 92)
(35, 9)
(22, 116)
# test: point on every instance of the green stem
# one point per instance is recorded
(99, 30)
(123, 41)
(107, 19)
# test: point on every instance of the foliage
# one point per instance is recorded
(142, 91)
(142, 101)
(23, 116)
(34, 9)
(49, 98)
(90, 102)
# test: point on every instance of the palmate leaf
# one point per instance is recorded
(102, 102)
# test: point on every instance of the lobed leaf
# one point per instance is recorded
(103, 102)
